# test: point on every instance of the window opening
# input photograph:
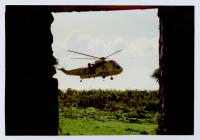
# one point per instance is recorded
(136, 32)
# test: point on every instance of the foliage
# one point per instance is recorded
(110, 99)
(108, 106)
(156, 74)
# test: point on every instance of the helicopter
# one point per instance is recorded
(101, 67)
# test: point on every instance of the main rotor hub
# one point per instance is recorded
(103, 58)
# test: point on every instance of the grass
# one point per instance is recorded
(81, 126)
(108, 112)
(92, 121)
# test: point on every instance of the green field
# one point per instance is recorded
(108, 112)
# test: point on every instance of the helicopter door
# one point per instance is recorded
(91, 68)
(100, 67)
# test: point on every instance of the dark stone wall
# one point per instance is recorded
(177, 70)
(31, 92)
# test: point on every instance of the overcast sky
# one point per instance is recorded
(101, 33)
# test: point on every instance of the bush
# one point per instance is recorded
(130, 103)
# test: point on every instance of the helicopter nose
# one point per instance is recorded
(120, 70)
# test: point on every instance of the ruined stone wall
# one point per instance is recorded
(176, 62)
(31, 92)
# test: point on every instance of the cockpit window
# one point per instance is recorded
(116, 65)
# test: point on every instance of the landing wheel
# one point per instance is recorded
(103, 78)
(81, 80)
(111, 78)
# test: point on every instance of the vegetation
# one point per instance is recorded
(105, 112)
(156, 74)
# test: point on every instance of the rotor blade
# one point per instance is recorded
(114, 53)
(131, 57)
(83, 58)
(83, 54)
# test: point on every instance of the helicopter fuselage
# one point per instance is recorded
(99, 69)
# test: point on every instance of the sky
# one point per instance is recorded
(101, 33)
